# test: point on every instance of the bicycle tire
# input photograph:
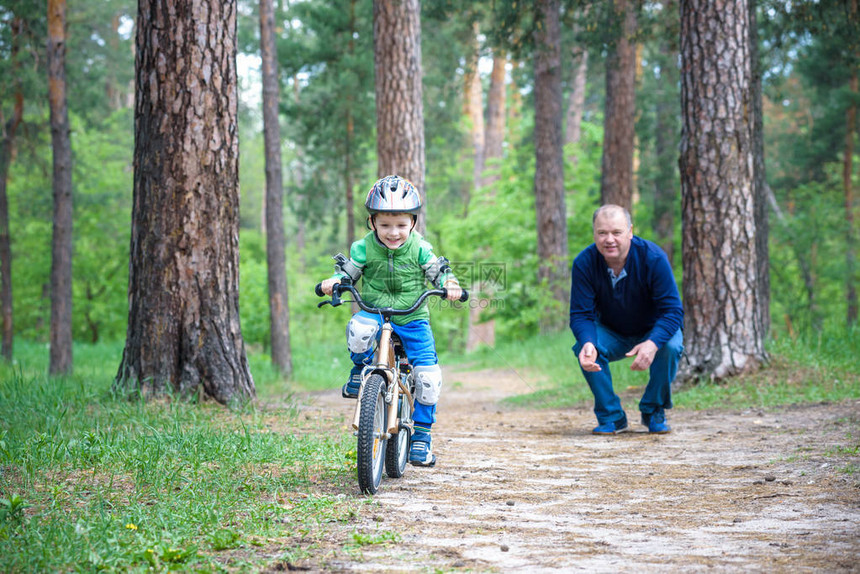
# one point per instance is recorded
(371, 430)
(397, 451)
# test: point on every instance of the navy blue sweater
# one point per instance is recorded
(644, 304)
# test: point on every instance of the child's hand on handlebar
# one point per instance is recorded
(328, 284)
(454, 290)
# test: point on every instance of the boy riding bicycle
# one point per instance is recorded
(394, 262)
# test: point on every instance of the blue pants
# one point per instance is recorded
(420, 347)
(612, 347)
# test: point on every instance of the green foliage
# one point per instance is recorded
(102, 185)
(496, 243)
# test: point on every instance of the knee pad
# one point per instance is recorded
(428, 384)
(361, 333)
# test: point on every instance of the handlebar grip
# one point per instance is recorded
(464, 296)
(318, 290)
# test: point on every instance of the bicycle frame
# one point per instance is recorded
(384, 363)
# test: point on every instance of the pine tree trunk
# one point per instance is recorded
(350, 135)
(576, 104)
(61, 243)
(720, 289)
(760, 182)
(399, 105)
(183, 333)
(666, 139)
(279, 309)
(473, 104)
(494, 138)
(7, 147)
(616, 178)
(847, 170)
(549, 162)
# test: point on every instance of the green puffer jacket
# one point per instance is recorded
(394, 277)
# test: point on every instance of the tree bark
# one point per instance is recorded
(473, 109)
(494, 138)
(720, 288)
(279, 309)
(847, 170)
(350, 135)
(576, 104)
(184, 334)
(762, 231)
(7, 147)
(666, 137)
(616, 179)
(399, 105)
(549, 161)
(61, 243)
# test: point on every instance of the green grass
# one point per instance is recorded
(89, 482)
(825, 369)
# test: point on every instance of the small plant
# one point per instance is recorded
(12, 508)
(382, 537)
(224, 539)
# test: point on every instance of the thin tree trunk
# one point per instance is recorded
(616, 179)
(399, 105)
(847, 170)
(494, 138)
(666, 138)
(61, 244)
(184, 332)
(576, 103)
(473, 104)
(549, 162)
(279, 308)
(720, 289)
(350, 134)
(762, 230)
(7, 147)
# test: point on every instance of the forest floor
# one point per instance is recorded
(531, 490)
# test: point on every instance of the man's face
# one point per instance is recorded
(612, 236)
(393, 228)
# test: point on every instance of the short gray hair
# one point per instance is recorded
(611, 207)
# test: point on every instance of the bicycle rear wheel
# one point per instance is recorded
(371, 435)
(397, 452)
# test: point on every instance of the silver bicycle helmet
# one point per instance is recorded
(393, 194)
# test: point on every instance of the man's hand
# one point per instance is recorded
(644, 353)
(588, 358)
(328, 284)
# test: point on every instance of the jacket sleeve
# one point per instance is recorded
(667, 300)
(436, 269)
(583, 315)
(357, 258)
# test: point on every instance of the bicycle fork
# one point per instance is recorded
(384, 362)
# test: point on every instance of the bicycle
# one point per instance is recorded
(385, 399)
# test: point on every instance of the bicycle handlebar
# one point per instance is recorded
(339, 288)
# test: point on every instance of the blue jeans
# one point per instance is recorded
(612, 347)
(420, 347)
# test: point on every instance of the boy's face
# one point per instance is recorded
(393, 229)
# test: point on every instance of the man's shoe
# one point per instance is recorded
(353, 384)
(420, 453)
(656, 423)
(613, 427)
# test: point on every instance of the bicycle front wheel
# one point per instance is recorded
(371, 435)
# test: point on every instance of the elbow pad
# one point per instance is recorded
(435, 269)
(347, 267)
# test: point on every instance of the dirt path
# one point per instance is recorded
(533, 491)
